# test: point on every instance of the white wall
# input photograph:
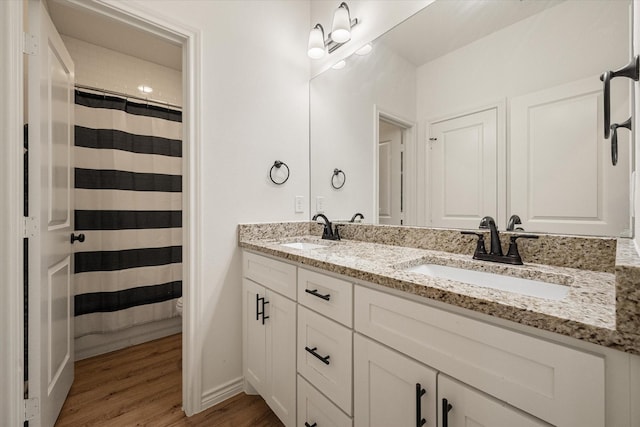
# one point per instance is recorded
(103, 68)
(254, 95)
(376, 17)
(342, 126)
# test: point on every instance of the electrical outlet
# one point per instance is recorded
(320, 204)
(299, 204)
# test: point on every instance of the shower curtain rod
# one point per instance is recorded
(125, 95)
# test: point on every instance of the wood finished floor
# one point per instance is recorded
(141, 386)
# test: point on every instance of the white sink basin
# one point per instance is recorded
(302, 246)
(516, 285)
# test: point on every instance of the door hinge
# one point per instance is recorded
(30, 227)
(31, 408)
(29, 44)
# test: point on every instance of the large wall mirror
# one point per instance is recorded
(475, 108)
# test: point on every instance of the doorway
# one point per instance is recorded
(108, 12)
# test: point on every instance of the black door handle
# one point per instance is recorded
(306, 424)
(614, 139)
(446, 407)
(631, 71)
(324, 359)
(79, 238)
(315, 293)
(258, 311)
(419, 393)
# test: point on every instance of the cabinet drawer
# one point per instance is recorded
(331, 297)
(275, 275)
(315, 409)
(558, 384)
(333, 342)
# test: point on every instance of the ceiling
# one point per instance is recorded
(447, 25)
(91, 27)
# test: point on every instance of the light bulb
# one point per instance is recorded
(341, 28)
(364, 50)
(316, 42)
(339, 65)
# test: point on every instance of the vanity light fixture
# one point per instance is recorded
(317, 46)
(339, 65)
(340, 33)
(364, 50)
(341, 28)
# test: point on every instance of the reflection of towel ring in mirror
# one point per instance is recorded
(277, 164)
(336, 173)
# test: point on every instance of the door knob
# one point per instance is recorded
(79, 238)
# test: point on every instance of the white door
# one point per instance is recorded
(561, 176)
(50, 103)
(255, 369)
(470, 407)
(390, 159)
(388, 387)
(281, 357)
(463, 170)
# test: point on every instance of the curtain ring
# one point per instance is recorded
(336, 173)
(277, 164)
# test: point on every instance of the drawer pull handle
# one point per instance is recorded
(419, 393)
(306, 424)
(315, 293)
(446, 407)
(324, 359)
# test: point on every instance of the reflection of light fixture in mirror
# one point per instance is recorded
(364, 50)
(316, 42)
(341, 28)
(145, 89)
(339, 65)
(341, 33)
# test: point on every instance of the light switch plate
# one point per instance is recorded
(299, 204)
(320, 204)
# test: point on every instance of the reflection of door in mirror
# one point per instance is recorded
(462, 170)
(390, 173)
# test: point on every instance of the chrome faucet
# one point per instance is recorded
(495, 254)
(328, 233)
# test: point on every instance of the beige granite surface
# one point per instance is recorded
(601, 307)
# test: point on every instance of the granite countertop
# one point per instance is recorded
(588, 312)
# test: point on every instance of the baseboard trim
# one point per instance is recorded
(96, 344)
(221, 393)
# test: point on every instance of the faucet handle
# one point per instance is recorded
(336, 232)
(480, 249)
(513, 245)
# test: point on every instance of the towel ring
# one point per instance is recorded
(277, 164)
(336, 173)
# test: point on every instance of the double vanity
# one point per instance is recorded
(395, 326)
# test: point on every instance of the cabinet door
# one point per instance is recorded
(255, 368)
(281, 356)
(386, 391)
(464, 169)
(471, 407)
(315, 409)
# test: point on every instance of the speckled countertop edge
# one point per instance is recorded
(588, 313)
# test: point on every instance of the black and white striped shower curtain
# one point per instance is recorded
(128, 201)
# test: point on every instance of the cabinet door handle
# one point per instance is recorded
(263, 316)
(306, 424)
(315, 293)
(446, 407)
(258, 306)
(419, 393)
(324, 359)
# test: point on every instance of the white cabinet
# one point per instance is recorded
(391, 389)
(316, 410)
(462, 406)
(325, 356)
(270, 347)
